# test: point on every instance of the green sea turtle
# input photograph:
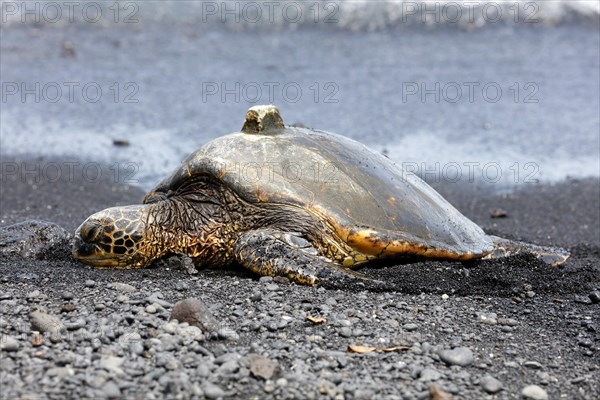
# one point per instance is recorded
(288, 201)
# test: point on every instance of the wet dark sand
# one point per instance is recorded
(554, 327)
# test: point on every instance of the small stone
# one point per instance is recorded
(111, 364)
(530, 293)
(410, 327)
(262, 367)
(534, 392)
(508, 321)
(583, 299)
(75, 325)
(195, 313)
(281, 382)
(282, 280)
(8, 343)
(363, 394)
(151, 309)
(123, 287)
(111, 390)
(429, 374)
(90, 283)
(532, 365)
(579, 379)
(136, 348)
(445, 297)
(269, 387)
(181, 286)
(256, 296)
(583, 342)
(489, 319)
(212, 391)
(67, 296)
(68, 308)
(490, 384)
(157, 298)
(122, 298)
(345, 332)
(461, 356)
(43, 322)
(273, 287)
(595, 296)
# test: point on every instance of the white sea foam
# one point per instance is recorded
(436, 159)
(148, 158)
(353, 15)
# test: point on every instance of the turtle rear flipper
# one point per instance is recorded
(270, 252)
(549, 255)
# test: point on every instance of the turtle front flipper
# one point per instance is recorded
(549, 255)
(270, 252)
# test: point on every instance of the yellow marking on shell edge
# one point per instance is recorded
(360, 258)
(401, 247)
(348, 262)
(366, 241)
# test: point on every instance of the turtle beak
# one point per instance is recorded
(85, 249)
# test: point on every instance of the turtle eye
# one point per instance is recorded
(91, 231)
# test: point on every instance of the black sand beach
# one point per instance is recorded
(525, 323)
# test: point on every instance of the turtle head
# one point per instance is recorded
(115, 237)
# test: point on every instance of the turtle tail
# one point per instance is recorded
(550, 255)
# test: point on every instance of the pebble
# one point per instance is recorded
(151, 309)
(75, 325)
(273, 287)
(196, 313)
(136, 348)
(8, 343)
(461, 356)
(262, 367)
(534, 392)
(281, 382)
(490, 384)
(583, 299)
(410, 327)
(42, 322)
(532, 365)
(111, 390)
(67, 295)
(122, 298)
(579, 379)
(212, 391)
(429, 374)
(508, 321)
(90, 283)
(123, 287)
(345, 332)
(112, 364)
(595, 296)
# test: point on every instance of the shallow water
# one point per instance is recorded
(504, 104)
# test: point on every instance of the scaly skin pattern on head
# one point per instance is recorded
(203, 219)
